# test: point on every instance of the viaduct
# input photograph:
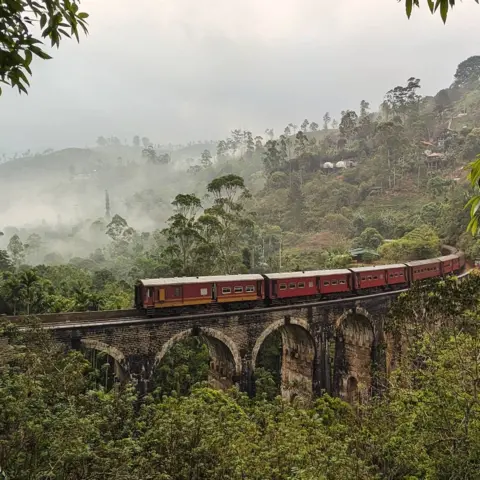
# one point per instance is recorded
(336, 346)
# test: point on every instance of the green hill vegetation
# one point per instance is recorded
(391, 181)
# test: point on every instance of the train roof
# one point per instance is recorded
(377, 267)
(153, 282)
(416, 263)
(446, 258)
(306, 274)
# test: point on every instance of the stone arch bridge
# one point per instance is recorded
(336, 346)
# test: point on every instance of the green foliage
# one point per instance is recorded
(474, 202)
(57, 417)
(19, 42)
(468, 71)
(420, 243)
(185, 365)
(5, 262)
(369, 238)
(442, 6)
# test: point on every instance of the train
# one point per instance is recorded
(165, 296)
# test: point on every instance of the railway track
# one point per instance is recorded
(74, 320)
(143, 320)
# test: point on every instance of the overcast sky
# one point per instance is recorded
(182, 70)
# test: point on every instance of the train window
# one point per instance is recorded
(249, 288)
(381, 275)
(301, 285)
(292, 285)
(326, 284)
(177, 292)
(334, 282)
(342, 282)
(149, 292)
(392, 275)
(375, 277)
(238, 289)
(310, 284)
(283, 286)
(226, 290)
(369, 277)
(364, 278)
(396, 275)
(401, 274)
(204, 291)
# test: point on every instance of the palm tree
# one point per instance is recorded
(28, 280)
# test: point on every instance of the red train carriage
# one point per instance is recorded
(292, 284)
(175, 292)
(238, 288)
(369, 277)
(449, 264)
(334, 281)
(397, 274)
(423, 269)
(190, 291)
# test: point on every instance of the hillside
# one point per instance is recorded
(315, 195)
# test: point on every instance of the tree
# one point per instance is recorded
(301, 142)
(348, 124)
(146, 142)
(442, 6)
(272, 157)
(183, 235)
(17, 250)
(5, 262)
(33, 244)
(304, 125)
(270, 133)
(369, 238)
(102, 141)
(422, 242)
(136, 141)
(403, 100)
(313, 127)
(206, 160)
(19, 39)
(118, 228)
(250, 144)
(227, 216)
(364, 107)
(467, 72)
(29, 280)
(326, 120)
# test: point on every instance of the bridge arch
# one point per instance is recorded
(225, 359)
(354, 351)
(298, 356)
(120, 367)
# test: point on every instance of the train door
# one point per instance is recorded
(214, 292)
(259, 288)
(161, 295)
(149, 298)
(274, 288)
